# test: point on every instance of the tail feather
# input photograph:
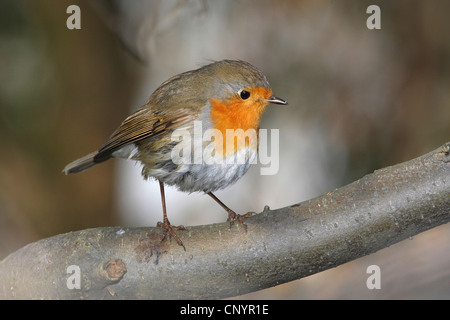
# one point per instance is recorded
(81, 164)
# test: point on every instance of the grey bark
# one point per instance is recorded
(280, 245)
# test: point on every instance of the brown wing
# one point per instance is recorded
(143, 124)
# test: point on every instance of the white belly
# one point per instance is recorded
(207, 177)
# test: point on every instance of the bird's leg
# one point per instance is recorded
(168, 228)
(232, 216)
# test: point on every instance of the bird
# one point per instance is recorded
(222, 96)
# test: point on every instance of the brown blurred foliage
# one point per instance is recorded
(63, 91)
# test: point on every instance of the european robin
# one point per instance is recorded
(224, 95)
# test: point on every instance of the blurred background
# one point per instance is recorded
(359, 100)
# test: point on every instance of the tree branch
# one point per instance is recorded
(281, 245)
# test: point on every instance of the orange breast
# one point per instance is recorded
(236, 113)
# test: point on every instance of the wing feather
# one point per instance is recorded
(144, 123)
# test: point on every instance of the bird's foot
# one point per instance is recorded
(233, 216)
(170, 230)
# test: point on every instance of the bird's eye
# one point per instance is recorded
(244, 94)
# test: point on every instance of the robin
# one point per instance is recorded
(222, 96)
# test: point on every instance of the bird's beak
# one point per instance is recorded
(275, 100)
